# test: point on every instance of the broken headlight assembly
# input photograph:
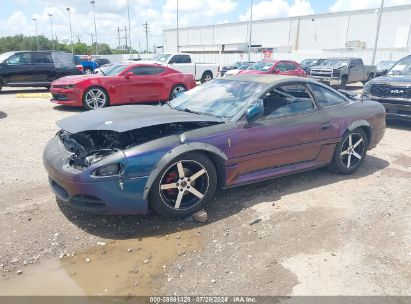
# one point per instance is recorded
(109, 170)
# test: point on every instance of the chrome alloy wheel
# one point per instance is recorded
(184, 184)
(96, 99)
(352, 150)
(177, 90)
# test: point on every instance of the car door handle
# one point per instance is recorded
(325, 126)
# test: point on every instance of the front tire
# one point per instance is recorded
(95, 98)
(184, 186)
(343, 84)
(350, 153)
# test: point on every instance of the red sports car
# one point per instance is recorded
(121, 83)
(281, 67)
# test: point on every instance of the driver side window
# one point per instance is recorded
(20, 58)
(287, 100)
(282, 67)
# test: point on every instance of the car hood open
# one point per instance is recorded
(130, 117)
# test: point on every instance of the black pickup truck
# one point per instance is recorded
(35, 69)
(393, 90)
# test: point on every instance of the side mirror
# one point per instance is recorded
(277, 71)
(171, 62)
(253, 113)
(128, 75)
(384, 72)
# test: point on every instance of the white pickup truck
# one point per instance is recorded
(183, 63)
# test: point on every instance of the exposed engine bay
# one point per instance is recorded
(89, 147)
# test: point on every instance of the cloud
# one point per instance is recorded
(160, 14)
(348, 5)
(278, 8)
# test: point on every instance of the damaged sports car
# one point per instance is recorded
(229, 132)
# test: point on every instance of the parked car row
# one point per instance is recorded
(267, 66)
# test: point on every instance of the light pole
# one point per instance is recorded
(129, 27)
(37, 36)
(93, 3)
(251, 29)
(378, 32)
(71, 32)
(178, 37)
(51, 25)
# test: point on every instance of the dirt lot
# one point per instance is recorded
(315, 233)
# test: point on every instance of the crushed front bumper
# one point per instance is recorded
(69, 97)
(117, 195)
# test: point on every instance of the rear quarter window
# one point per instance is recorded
(63, 60)
(325, 98)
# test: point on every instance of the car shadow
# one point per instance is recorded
(398, 124)
(3, 115)
(226, 203)
(63, 108)
(18, 91)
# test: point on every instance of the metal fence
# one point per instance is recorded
(226, 59)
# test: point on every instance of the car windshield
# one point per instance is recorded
(160, 57)
(245, 66)
(402, 67)
(221, 98)
(236, 65)
(309, 62)
(5, 56)
(261, 66)
(335, 62)
(115, 69)
(385, 65)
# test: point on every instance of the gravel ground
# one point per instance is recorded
(314, 233)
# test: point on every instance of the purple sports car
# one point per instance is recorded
(225, 133)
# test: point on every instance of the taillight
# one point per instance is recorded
(80, 68)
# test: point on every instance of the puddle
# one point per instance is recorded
(112, 269)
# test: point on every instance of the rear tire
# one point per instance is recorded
(350, 153)
(176, 90)
(371, 76)
(207, 76)
(88, 71)
(184, 186)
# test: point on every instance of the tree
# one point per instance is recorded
(29, 43)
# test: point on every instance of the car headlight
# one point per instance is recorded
(109, 170)
(336, 73)
(366, 89)
(68, 86)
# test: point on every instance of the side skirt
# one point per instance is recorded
(323, 159)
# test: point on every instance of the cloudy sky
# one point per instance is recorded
(17, 16)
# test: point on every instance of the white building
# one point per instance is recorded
(321, 35)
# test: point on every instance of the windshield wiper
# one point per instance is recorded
(194, 112)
